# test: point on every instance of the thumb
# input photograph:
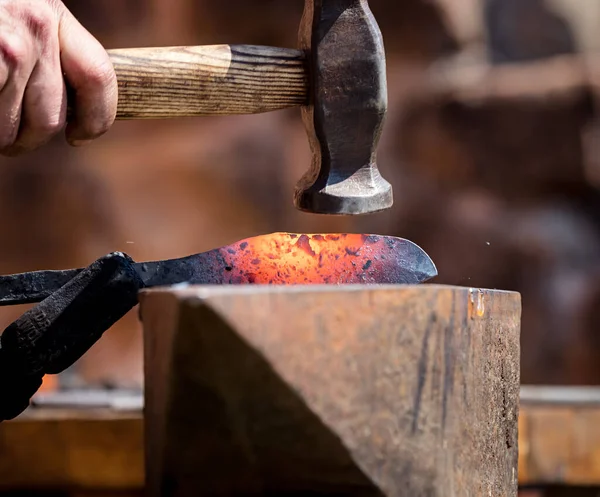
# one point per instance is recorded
(92, 80)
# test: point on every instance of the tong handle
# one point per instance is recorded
(54, 334)
(168, 82)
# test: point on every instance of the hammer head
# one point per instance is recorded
(344, 120)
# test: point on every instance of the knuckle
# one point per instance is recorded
(35, 23)
(101, 76)
(56, 6)
(101, 81)
(41, 22)
(96, 127)
(15, 50)
(46, 128)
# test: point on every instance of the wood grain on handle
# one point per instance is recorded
(165, 82)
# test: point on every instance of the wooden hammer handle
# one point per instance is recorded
(166, 82)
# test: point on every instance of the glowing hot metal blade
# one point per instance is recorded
(276, 259)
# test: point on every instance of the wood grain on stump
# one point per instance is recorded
(404, 391)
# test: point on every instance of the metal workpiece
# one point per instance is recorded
(274, 259)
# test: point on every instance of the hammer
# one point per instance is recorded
(337, 75)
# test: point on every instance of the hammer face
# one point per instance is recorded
(364, 192)
(349, 103)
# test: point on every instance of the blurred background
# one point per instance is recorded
(492, 146)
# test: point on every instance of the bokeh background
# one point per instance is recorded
(492, 145)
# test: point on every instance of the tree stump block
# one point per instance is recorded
(331, 390)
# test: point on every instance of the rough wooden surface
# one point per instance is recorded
(559, 436)
(72, 449)
(404, 391)
(559, 443)
(167, 82)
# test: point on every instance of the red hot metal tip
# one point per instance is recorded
(276, 259)
(291, 259)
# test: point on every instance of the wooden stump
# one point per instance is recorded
(395, 391)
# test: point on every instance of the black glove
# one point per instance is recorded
(57, 332)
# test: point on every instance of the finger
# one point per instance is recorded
(44, 104)
(90, 74)
(17, 58)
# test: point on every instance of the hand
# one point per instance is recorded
(41, 45)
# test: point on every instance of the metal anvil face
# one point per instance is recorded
(331, 390)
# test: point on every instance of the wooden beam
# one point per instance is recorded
(558, 78)
(559, 436)
(559, 441)
(72, 449)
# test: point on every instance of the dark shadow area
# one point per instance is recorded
(561, 491)
(236, 428)
(40, 493)
(526, 30)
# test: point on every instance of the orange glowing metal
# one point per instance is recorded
(290, 259)
(277, 259)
